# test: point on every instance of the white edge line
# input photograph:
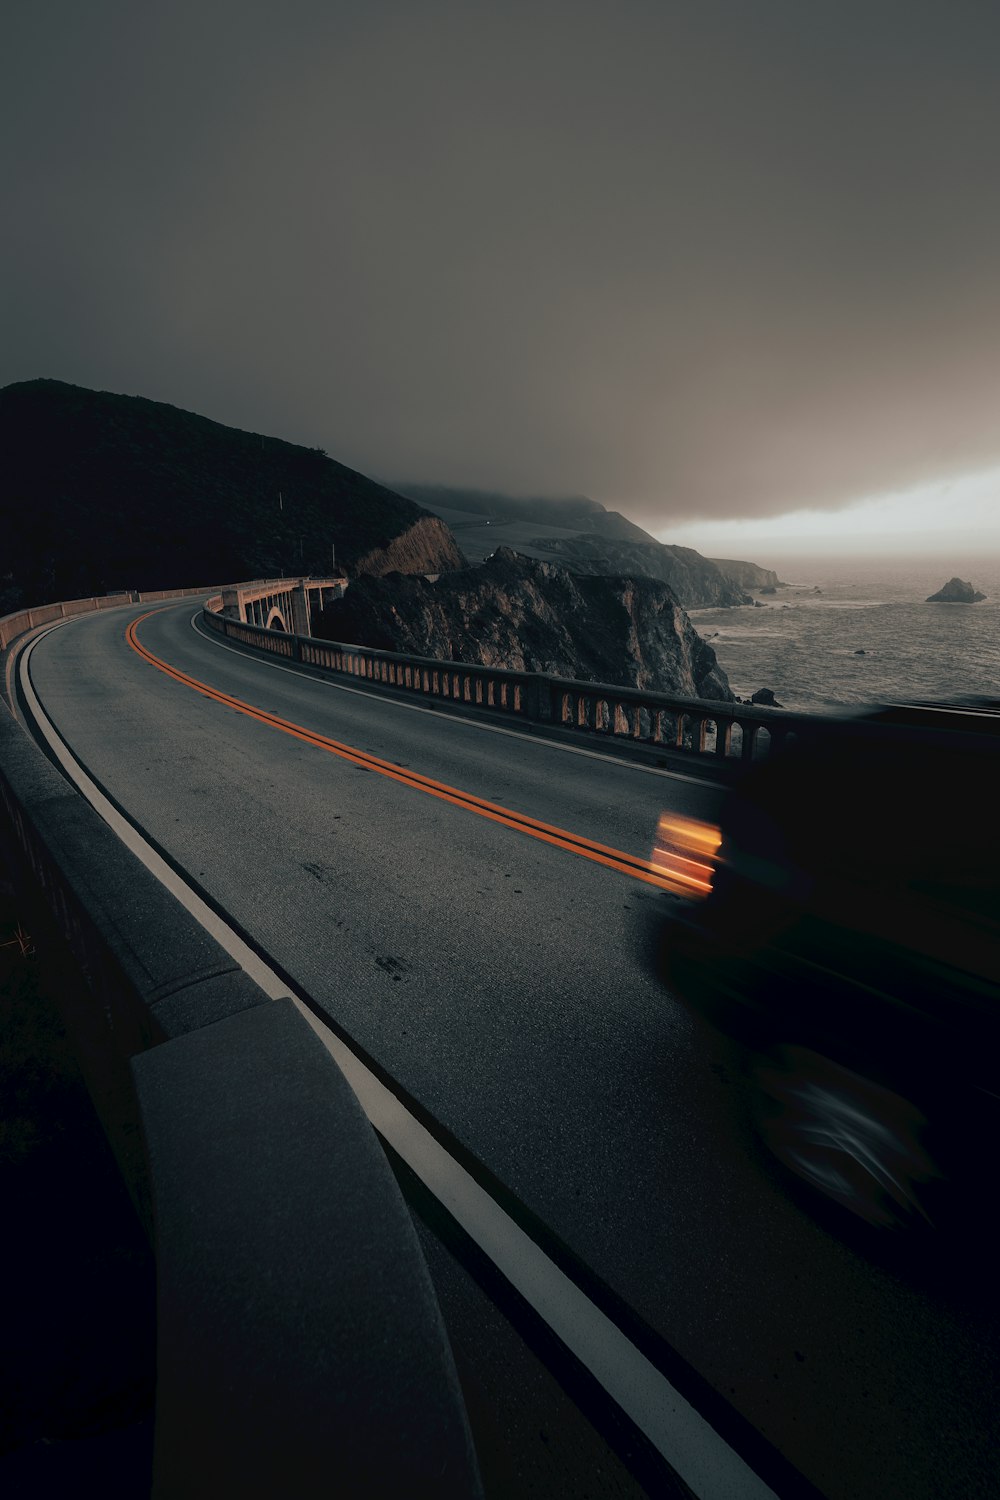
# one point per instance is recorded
(419, 708)
(200, 910)
(688, 1443)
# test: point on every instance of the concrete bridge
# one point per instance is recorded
(284, 604)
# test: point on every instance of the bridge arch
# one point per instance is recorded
(276, 620)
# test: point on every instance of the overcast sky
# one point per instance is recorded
(699, 259)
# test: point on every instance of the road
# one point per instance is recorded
(505, 981)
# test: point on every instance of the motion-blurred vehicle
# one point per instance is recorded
(842, 922)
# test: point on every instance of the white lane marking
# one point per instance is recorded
(688, 1443)
(16, 647)
(418, 708)
(200, 910)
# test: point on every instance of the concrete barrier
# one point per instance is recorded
(300, 1345)
(301, 1350)
(23, 620)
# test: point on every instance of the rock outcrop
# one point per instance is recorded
(747, 575)
(517, 612)
(425, 547)
(955, 592)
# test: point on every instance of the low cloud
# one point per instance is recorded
(698, 262)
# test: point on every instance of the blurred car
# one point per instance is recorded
(842, 922)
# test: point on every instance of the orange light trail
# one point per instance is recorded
(679, 841)
(560, 838)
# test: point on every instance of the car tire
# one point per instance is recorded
(855, 1141)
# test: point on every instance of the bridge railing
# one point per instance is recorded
(727, 733)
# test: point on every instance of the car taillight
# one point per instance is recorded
(685, 854)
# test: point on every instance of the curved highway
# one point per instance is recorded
(499, 970)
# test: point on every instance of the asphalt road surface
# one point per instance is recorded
(505, 980)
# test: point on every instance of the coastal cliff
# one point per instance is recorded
(526, 615)
(427, 546)
(580, 534)
(746, 575)
(696, 581)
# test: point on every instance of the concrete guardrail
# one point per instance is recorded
(23, 620)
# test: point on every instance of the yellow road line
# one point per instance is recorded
(561, 838)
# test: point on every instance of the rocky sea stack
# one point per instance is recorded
(956, 592)
(526, 615)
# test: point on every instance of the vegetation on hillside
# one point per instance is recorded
(103, 492)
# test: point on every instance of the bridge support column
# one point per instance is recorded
(231, 604)
(301, 621)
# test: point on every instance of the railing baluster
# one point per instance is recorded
(692, 726)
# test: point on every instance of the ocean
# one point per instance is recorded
(847, 632)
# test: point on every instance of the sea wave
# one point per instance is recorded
(869, 636)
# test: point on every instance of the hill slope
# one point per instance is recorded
(101, 492)
(581, 535)
(575, 512)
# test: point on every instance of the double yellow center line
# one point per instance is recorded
(561, 838)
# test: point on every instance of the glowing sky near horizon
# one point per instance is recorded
(719, 263)
(960, 514)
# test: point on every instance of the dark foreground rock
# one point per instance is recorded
(532, 616)
(955, 592)
(765, 697)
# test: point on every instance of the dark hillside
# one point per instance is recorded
(579, 534)
(575, 512)
(102, 492)
(494, 503)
